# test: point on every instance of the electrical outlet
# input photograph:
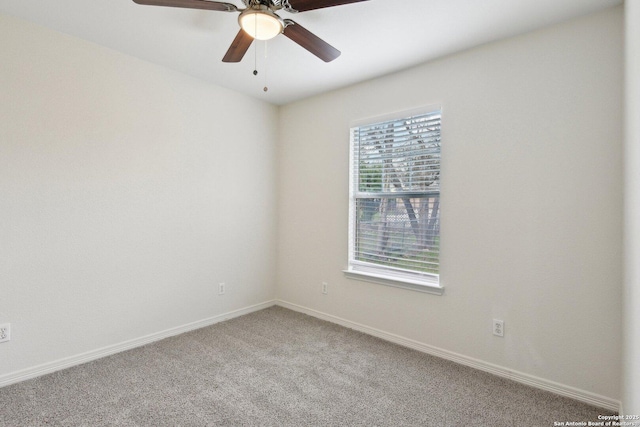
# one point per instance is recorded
(221, 288)
(5, 332)
(498, 327)
(325, 288)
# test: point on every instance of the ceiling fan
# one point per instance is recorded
(260, 21)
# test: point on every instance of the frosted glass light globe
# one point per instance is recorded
(260, 24)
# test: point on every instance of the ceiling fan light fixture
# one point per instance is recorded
(261, 23)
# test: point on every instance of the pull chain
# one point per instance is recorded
(255, 49)
(255, 57)
(265, 67)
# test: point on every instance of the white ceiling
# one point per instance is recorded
(376, 37)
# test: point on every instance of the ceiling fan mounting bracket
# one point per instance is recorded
(284, 4)
(271, 4)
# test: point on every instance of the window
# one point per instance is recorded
(394, 208)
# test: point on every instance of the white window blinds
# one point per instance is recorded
(395, 199)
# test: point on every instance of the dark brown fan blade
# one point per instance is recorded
(310, 41)
(303, 5)
(192, 4)
(238, 48)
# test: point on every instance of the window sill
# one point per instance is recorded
(396, 283)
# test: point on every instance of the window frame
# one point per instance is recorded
(363, 271)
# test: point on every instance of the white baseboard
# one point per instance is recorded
(79, 359)
(540, 383)
(530, 380)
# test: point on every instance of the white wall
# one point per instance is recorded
(531, 203)
(127, 192)
(631, 392)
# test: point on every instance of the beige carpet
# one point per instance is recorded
(277, 367)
